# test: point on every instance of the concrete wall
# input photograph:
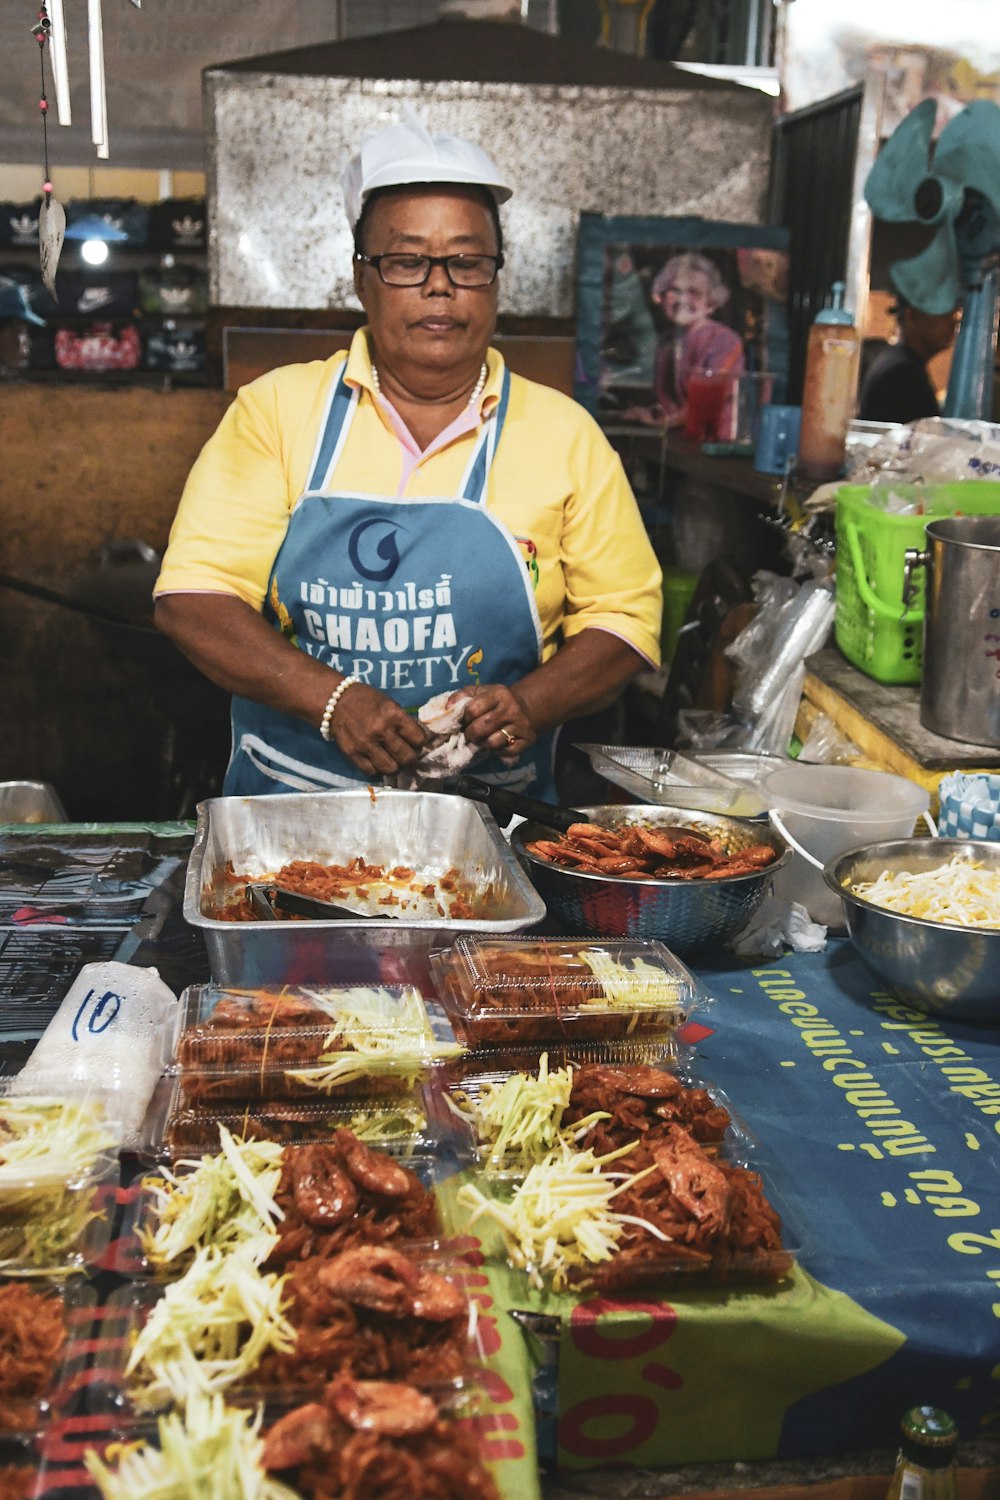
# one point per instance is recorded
(277, 144)
(90, 710)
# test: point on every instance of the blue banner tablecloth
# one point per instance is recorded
(877, 1133)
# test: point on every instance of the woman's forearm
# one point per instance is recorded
(587, 673)
(236, 647)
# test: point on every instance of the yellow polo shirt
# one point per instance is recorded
(556, 484)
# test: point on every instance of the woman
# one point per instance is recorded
(690, 290)
(367, 533)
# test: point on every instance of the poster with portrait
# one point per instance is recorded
(660, 298)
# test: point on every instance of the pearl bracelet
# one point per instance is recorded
(331, 704)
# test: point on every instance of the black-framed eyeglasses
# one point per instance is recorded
(413, 270)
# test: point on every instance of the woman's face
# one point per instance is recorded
(687, 300)
(436, 328)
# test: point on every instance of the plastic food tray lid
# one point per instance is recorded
(55, 1228)
(143, 1198)
(344, 1076)
(65, 1375)
(185, 1130)
(112, 1388)
(61, 1471)
(491, 1063)
(240, 1029)
(57, 1187)
(65, 1135)
(466, 1096)
(512, 977)
(722, 1263)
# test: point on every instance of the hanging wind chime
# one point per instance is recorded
(50, 31)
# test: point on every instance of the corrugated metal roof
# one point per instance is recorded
(478, 52)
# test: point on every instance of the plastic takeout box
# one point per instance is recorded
(500, 990)
(721, 1261)
(118, 1434)
(724, 1135)
(141, 1216)
(68, 1306)
(55, 1213)
(189, 1129)
(112, 1388)
(243, 1044)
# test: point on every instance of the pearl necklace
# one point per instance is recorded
(477, 389)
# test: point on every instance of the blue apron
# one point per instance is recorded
(415, 597)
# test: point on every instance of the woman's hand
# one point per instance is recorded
(586, 673)
(374, 732)
(497, 719)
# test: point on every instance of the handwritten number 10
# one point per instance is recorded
(103, 1013)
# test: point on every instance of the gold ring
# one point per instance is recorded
(507, 736)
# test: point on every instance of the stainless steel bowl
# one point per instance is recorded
(938, 967)
(30, 802)
(684, 914)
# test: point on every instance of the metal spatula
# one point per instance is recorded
(269, 901)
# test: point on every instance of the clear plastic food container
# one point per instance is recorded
(504, 990)
(189, 1129)
(58, 1175)
(719, 1222)
(199, 1440)
(438, 1349)
(346, 1041)
(45, 1333)
(600, 1098)
(142, 1212)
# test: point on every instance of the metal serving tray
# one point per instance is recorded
(426, 831)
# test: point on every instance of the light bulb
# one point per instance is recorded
(94, 252)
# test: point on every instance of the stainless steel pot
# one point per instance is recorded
(960, 691)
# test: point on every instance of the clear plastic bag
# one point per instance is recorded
(792, 621)
(787, 633)
(827, 745)
(934, 450)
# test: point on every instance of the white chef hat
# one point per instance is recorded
(407, 152)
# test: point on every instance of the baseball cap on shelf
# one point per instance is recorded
(408, 153)
(14, 302)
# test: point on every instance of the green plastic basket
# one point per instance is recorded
(872, 627)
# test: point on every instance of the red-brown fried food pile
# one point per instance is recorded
(254, 1030)
(352, 882)
(17, 1481)
(32, 1336)
(644, 1104)
(637, 853)
(376, 1440)
(716, 1215)
(371, 1313)
(249, 1045)
(338, 1195)
(528, 996)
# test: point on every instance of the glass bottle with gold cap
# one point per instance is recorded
(927, 1458)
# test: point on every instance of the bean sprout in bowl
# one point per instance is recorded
(936, 963)
(684, 914)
